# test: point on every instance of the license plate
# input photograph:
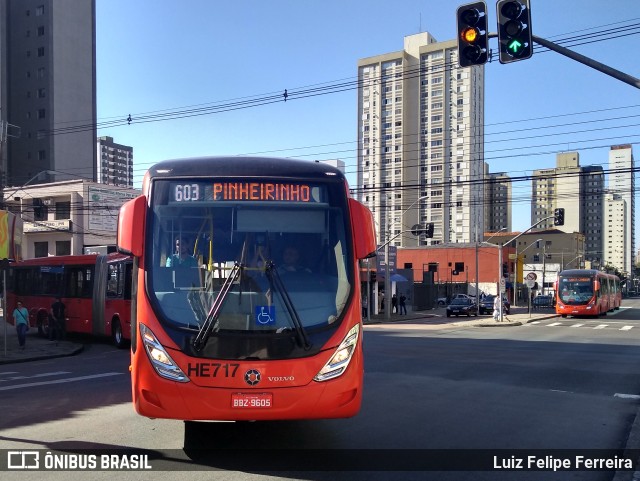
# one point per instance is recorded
(455, 310)
(258, 400)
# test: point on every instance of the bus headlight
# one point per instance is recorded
(338, 363)
(159, 357)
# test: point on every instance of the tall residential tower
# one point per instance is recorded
(622, 183)
(48, 88)
(579, 191)
(421, 142)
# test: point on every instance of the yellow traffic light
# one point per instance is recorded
(469, 35)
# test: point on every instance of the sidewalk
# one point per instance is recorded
(517, 317)
(36, 347)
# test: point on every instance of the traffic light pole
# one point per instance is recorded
(589, 62)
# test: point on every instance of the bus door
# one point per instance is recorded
(78, 298)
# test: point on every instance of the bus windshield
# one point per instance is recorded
(575, 290)
(207, 231)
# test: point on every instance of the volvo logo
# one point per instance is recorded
(252, 377)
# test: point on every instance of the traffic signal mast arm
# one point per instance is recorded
(589, 62)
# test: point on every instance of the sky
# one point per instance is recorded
(156, 58)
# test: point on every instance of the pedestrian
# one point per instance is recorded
(365, 306)
(382, 300)
(21, 320)
(394, 303)
(57, 325)
(403, 306)
(496, 308)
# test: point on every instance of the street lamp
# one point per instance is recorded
(35, 177)
(515, 279)
(387, 277)
(564, 266)
(495, 234)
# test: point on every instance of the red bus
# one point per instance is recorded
(95, 289)
(235, 335)
(587, 293)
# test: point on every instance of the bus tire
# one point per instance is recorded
(117, 335)
(42, 321)
(563, 315)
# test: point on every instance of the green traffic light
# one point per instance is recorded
(515, 46)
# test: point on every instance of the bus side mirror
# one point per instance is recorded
(131, 226)
(364, 233)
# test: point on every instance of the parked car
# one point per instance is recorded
(486, 305)
(543, 301)
(462, 306)
(442, 301)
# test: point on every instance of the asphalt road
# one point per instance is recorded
(428, 388)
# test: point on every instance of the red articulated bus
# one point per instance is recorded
(95, 289)
(232, 329)
(587, 293)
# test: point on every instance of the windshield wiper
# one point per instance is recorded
(214, 312)
(275, 281)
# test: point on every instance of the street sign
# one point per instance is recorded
(531, 276)
(503, 282)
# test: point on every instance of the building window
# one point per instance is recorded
(63, 248)
(40, 51)
(39, 10)
(41, 249)
(40, 31)
(63, 211)
(42, 154)
(42, 113)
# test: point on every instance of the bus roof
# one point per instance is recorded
(69, 260)
(243, 166)
(584, 272)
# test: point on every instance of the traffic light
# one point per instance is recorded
(505, 269)
(558, 217)
(473, 36)
(514, 30)
(428, 232)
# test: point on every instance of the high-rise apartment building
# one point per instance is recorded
(115, 163)
(421, 142)
(497, 201)
(615, 227)
(48, 88)
(622, 182)
(579, 190)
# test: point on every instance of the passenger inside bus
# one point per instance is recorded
(291, 261)
(184, 254)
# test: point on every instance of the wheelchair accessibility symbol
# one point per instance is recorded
(265, 315)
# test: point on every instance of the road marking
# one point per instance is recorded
(44, 374)
(601, 326)
(60, 381)
(534, 322)
(577, 325)
(626, 328)
(626, 396)
(555, 324)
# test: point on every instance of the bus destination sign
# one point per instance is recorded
(243, 191)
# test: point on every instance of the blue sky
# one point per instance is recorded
(161, 55)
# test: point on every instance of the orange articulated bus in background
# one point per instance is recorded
(95, 289)
(588, 292)
(222, 328)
